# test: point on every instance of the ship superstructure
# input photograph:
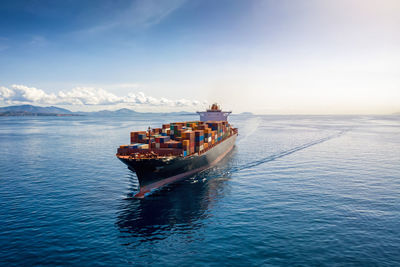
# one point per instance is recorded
(214, 113)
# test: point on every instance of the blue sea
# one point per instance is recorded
(295, 191)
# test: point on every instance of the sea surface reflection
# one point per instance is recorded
(179, 207)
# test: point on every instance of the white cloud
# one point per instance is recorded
(88, 96)
(22, 93)
(18, 94)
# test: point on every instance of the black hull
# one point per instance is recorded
(154, 173)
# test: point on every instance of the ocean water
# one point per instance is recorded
(295, 191)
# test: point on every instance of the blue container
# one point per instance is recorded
(199, 138)
(135, 145)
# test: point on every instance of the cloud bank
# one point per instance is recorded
(21, 94)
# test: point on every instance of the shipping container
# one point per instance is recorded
(187, 137)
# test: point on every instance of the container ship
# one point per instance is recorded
(177, 150)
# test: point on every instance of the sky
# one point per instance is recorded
(260, 56)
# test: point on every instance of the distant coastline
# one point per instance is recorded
(246, 113)
(30, 110)
(22, 113)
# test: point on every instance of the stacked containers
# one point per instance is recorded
(172, 144)
(144, 146)
(202, 127)
(174, 129)
(191, 124)
(216, 126)
(137, 145)
(165, 129)
(199, 140)
(135, 136)
(190, 136)
(186, 147)
(221, 131)
(156, 130)
(179, 132)
(225, 127)
(161, 140)
(179, 135)
(142, 137)
(213, 137)
(165, 126)
(207, 135)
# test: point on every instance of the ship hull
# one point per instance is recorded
(155, 173)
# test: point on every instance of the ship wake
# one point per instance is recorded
(285, 153)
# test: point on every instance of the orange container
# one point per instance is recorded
(185, 143)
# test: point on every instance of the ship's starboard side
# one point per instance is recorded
(152, 172)
(164, 155)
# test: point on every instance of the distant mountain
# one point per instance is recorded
(35, 109)
(246, 113)
(126, 111)
(180, 113)
(122, 111)
(29, 110)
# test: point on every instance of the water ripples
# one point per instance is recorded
(296, 190)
